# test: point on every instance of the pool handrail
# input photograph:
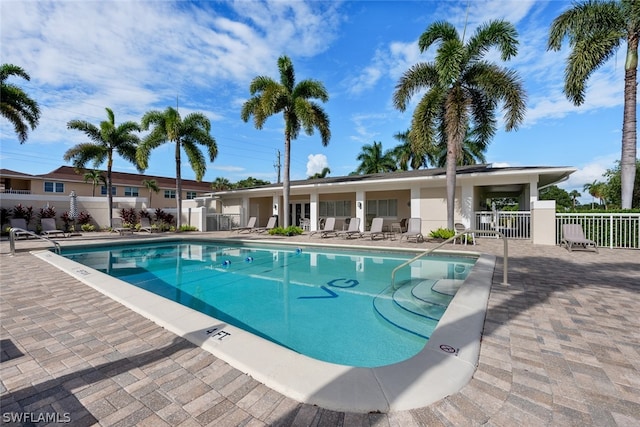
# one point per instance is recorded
(462, 233)
(12, 239)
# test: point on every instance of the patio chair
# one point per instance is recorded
(49, 228)
(414, 230)
(271, 224)
(573, 235)
(118, 227)
(145, 225)
(329, 228)
(459, 227)
(376, 228)
(353, 230)
(21, 224)
(251, 224)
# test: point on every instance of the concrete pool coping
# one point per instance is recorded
(442, 367)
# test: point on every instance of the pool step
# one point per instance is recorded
(417, 305)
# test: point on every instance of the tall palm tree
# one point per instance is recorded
(597, 189)
(95, 177)
(15, 105)
(595, 30)
(405, 156)
(463, 91)
(106, 140)
(221, 184)
(295, 102)
(186, 134)
(373, 160)
(152, 186)
(322, 174)
(471, 152)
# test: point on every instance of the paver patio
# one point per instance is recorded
(561, 346)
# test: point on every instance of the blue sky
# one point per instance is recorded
(133, 57)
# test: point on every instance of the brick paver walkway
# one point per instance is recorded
(561, 346)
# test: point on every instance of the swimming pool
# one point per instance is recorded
(442, 367)
(333, 305)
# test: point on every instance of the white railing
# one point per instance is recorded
(613, 230)
(11, 191)
(513, 224)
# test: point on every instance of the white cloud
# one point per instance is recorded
(316, 163)
(588, 173)
(228, 168)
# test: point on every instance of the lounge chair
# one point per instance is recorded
(573, 235)
(328, 228)
(145, 225)
(49, 228)
(251, 224)
(21, 225)
(459, 227)
(414, 230)
(353, 230)
(118, 227)
(376, 228)
(271, 224)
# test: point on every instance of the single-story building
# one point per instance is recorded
(396, 195)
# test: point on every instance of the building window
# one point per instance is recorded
(191, 195)
(103, 190)
(131, 191)
(53, 187)
(382, 208)
(335, 208)
(169, 194)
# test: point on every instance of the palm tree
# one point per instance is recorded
(152, 186)
(295, 102)
(221, 184)
(168, 126)
(322, 174)
(372, 160)
(574, 198)
(15, 105)
(463, 91)
(404, 155)
(471, 152)
(597, 190)
(106, 140)
(595, 30)
(95, 177)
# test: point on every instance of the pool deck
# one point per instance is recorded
(561, 346)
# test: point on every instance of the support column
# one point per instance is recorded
(361, 203)
(314, 206)
(543, 222)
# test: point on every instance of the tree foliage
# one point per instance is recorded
(15, 105)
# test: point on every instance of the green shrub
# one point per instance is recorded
(442, 233)
(88, 227)
(289, 231)
(188, 228)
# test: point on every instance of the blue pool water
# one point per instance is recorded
(332, 305)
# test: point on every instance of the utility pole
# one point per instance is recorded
(277, 165)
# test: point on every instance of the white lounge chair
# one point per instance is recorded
(49, 228)
(21, 225)
(251, 224)
(573, 235)
(118, 227)
(376, 229)
(414, 230)
(145, 225)
(353, 230)
(270, 225)
(329, 228)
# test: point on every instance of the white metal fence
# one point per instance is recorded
(613, 230)
(220, 222)
(513, 224)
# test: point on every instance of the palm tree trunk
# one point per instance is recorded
(285, 180)
(178, 188)
(629, 124)
(109, 195)
(451, 182)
